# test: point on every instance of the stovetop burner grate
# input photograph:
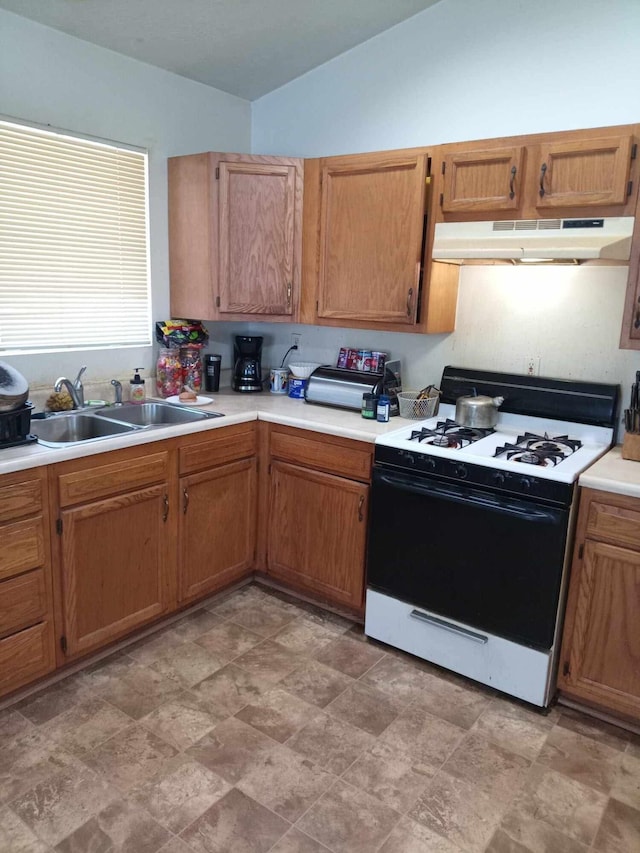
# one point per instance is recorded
(544, 450)
(449, 434)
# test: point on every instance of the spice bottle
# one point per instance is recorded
(382, 411)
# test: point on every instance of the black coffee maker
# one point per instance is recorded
(247, 371)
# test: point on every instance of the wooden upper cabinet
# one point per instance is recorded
(235, 236)
(477, 181)
(584, 173)
(364, 236)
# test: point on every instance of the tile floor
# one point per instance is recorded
(263, 724)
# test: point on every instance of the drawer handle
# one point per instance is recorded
(289, 290)
(543, 170)
(447, 626)
(512, 191)
(165, 513)
(636, 324)
(360, 508)
(409, 302)
(185, 501)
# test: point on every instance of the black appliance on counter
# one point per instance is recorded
(15, 425)
(470, 529)
(247, 361)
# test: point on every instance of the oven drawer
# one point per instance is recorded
(500, 663)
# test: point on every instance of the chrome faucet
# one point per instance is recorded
(75, 389)
(117, 390)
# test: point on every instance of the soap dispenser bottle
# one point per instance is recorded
(137, 392)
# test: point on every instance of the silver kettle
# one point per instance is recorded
(478, 411)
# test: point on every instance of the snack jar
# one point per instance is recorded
(168, 372)
(191, 367)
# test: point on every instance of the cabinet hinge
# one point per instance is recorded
(634, 150)
(444, 166)
(566, 669)
(63, 644)
(441, 199)
(59, 526)
(217, 173)
(217, 301)
(581, 551)
(629, 187)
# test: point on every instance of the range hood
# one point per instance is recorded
(535, 239)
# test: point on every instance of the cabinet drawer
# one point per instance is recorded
(20, 499)
(25, 656)
(224, 445)
(619, 522)
(22, 547)
(345, 457)
(92, 483)
(23, 601)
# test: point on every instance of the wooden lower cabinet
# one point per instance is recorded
(318, 497)
(115, 546)
(26, 600)
(217, 527)
(600, 660)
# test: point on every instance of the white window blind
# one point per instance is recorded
(73, 243)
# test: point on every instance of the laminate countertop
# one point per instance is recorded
(612, 473)
(237, 408)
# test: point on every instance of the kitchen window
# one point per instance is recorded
(74, 270)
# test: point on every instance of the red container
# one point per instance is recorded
(378, 361)
(343, 357)
(365, 357)
(352, 359)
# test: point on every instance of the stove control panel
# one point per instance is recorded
(510, 482)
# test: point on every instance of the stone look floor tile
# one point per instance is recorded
(265, 618)
(227, 641)
(514, 727)
(348, 820)
(149, 649)
(300, 783)
(184, 791)
(455, 703)
(626, 787)
(235, 823)
(63, 802)
(425, 740)
(620, 829)
(131, 757)
(137, 690)
(581, 758)
(195, 624)
(232, 749)
(187, 664)
(119, 827)
(391, 778)
(13, 725)
(603, 732)
(45, 706)
(396, 678)
(495, 770)
(16, 837)
(562, 803)
(184, 720)
(297, 842)
(231, 688)
(533, 836)
(349, 656)
(365, 707)
(176, 845)
(331, 743)
(411, 837)
(460, 811)
(86, 725)
(315, 683)
(29, 760)
(269, 661)
(278, 714)
(306, 636)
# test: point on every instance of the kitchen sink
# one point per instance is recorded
(155, 414)
(76, 427)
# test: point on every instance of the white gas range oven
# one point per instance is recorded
(470, 530)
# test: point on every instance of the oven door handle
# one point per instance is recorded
(448, 626)
(453, 493)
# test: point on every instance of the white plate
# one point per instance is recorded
(201, 401)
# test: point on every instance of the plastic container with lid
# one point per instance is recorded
(382, 409)
(369, 406)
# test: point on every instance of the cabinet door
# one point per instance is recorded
(217, 527)
(600, 659)
(482, 181)
(585, 173)
(257, 238)
(317, 532)
(115, 555)
(371, 229)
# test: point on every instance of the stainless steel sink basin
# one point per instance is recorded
(76, 427)
(155, 414)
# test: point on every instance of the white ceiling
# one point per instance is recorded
(245, 47)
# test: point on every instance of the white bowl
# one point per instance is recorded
(303, 369)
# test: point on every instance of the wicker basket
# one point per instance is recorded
(412, 407)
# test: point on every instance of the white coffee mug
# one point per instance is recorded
(278, 380)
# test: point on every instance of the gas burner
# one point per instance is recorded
(543, 450)
(449, 434)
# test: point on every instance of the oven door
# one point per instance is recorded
(488, 560)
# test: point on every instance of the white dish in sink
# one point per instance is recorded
(200, 401)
